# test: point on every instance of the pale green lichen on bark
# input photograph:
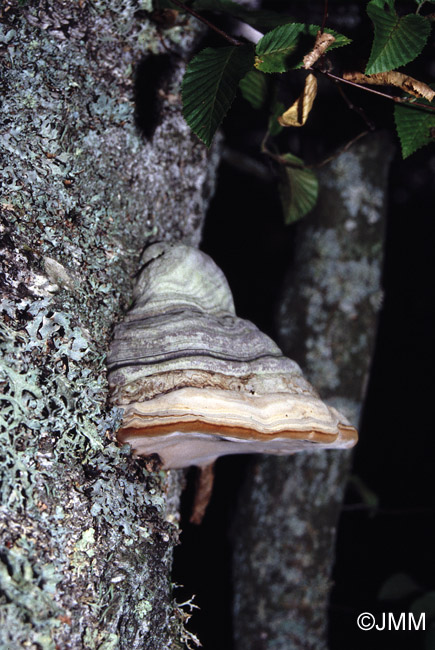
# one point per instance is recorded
(86, 530)
(28, 588)
(342, 277)
(34, 485)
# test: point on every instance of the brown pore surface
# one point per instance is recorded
(347, 433)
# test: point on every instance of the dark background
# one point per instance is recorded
(395, 457)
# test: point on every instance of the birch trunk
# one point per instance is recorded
(88, 179)
(285, 530)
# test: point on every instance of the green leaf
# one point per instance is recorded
(275, 49)
(398, 586)
(397, 40)
(254, 88)
(415, 127)
(299, 189)
(259, 19)
(340, 39)
(387, 4)
(209, 87)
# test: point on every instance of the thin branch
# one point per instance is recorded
(247, 164)
(229, 38)
(275, 156)
(263, 147)
(325, 17)
(280, 159)
(417, 510)
(347, 146)
(360, 111)
(394, 98)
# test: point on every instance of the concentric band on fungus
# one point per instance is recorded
(196, 382)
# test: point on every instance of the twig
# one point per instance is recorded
(229, 38)
(275, 156)
(325, 17)
(347, 146)
(361, 112)
(247, 164)
(263, 147)
(418, 510)
(279, 158)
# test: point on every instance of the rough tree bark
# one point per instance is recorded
(285, 530)
(86, 532)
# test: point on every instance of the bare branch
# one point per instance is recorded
(216, 29)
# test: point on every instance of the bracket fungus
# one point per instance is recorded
(196, 382)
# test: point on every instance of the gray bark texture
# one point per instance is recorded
(285, 529)
(87, 532)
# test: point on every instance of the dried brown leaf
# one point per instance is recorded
(298, 113)
(323, 41)
(393, 78)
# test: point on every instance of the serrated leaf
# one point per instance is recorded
(384, 4)
(254, 88)
(397, 40)
(275, 49)
(298, 190)
(415, 127)
(339, 39)
(398, 586)
(259, 19)
(210, 85)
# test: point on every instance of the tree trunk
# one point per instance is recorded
(90, 176)
(285, 529)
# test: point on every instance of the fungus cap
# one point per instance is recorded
(196, 382)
